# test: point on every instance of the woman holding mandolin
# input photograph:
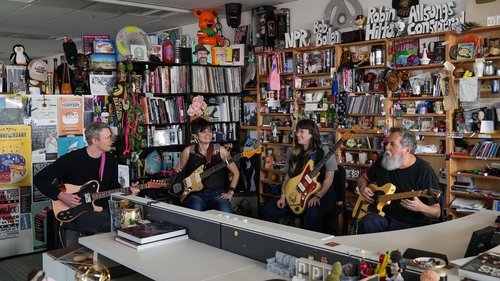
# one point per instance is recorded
(306, 152)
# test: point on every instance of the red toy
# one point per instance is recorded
(207, 35)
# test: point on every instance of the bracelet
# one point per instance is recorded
(317, 196)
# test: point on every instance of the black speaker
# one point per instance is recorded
(233, 14)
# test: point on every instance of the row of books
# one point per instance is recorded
(224, 108)
(284, 63)
(368, 104)
(159, 110)
(315, 62)
(218, 80)
(485, 149)
(167, 80)
(149, 235)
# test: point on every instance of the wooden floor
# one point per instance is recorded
(17, 268)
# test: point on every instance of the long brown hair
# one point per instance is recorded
(300, 155)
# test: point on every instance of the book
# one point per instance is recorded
(139, 246)
(484, 267)
(150, 232)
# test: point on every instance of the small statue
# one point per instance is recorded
(335, 272)
(396, 266)
(269, 161)
(19, 55)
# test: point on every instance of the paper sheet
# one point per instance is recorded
(468, 90)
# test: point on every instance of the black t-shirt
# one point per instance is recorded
(78, 168)
(419, 176)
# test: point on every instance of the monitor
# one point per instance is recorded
(480, 241)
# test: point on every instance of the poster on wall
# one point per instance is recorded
(70, 116)
(69, 143)
(159, 37)
(37, 195)
(12, 109)
(44, 143)
(15, 155)
(9, 215)
(44, 110)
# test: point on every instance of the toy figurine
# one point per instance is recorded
(269, 161)
(207, 35)
(19, 55)
(396, 266)
(335, 272)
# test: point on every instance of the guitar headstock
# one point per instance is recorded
(252, 152)
(433, 193)
(156, 184)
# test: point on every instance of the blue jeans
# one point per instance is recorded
(313, 217)
(208, 199)
(373, 222)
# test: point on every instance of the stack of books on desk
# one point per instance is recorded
(484, 267)
(150, 235)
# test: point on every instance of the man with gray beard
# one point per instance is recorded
(400, 167)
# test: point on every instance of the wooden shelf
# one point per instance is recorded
(304, 75)
(475, 158)
(416, 98)
(476, 176)
(418, 67)
(355, 165)
(325, 88)
(276, 144)
(267, 181)
(431, 154)
(248, 127)
(474, 195)
(362, 150)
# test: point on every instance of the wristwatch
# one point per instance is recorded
(231, 191)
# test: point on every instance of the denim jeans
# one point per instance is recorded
(208, 199)
(373, 222)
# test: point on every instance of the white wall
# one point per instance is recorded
(304, 13)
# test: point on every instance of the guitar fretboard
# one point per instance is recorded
(107, 193)
(404, 195)
(219, 166)
(323, 161)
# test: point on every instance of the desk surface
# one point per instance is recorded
(180, 260)
(450, 238)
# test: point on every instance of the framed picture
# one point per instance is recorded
(156, 50)
(222, 55)
(102, 84)
(465, 51)
(139, 52)
(238, 54)
(425, 124)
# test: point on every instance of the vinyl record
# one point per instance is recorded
(128, 36)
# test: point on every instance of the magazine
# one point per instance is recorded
(484, 267)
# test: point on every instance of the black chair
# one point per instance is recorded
(335, 220)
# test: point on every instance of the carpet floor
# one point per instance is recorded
(17, 268)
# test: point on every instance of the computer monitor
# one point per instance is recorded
(480, 241)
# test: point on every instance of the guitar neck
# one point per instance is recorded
(402, 195)
(107, 193)
(219, 166)
(323, 161)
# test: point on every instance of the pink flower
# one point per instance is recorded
(198, 107)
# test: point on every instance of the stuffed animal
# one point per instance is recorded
(207, 35)
(19, 56)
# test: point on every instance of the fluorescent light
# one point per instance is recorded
(142, 5)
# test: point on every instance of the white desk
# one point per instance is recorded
(183, 260)
(450, 238)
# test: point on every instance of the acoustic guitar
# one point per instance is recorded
(384, 195)
(89, 192)
(301, 188)
(194, 182)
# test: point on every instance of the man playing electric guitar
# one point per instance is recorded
(400, 167)
(306, 147)
(214, 194)
(78, 167)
